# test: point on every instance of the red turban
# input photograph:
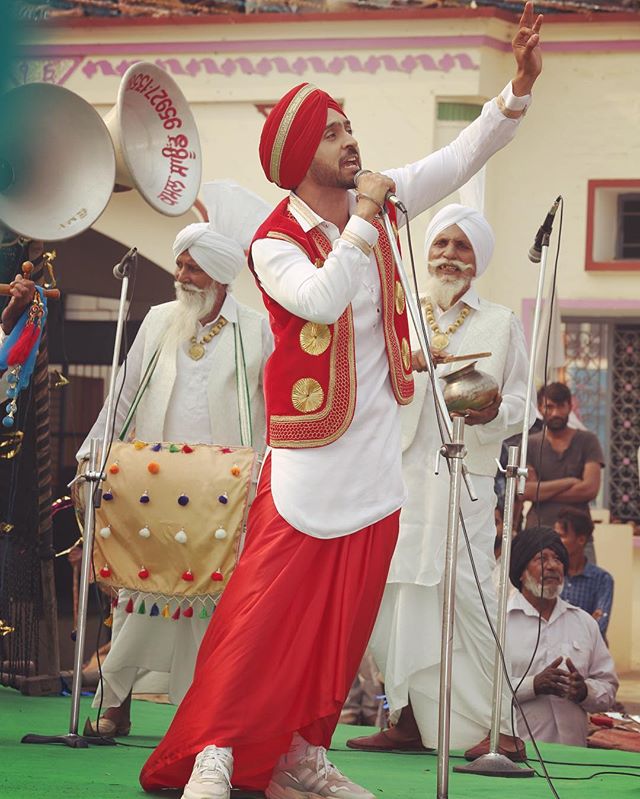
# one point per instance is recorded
(292, 133)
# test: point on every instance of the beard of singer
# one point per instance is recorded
(286, 640)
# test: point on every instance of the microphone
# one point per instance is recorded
(389, 196)
(535, 253)
(120, 269)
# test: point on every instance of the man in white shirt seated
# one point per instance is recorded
(559, 663)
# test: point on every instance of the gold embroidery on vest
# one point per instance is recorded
(406, 355)
(307, 395)
(399, 296)
(401, 380)
(315, 338)
(310, 431)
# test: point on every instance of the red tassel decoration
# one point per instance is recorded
(188, 612)
(129, 608)
(23, 346)
(176, 615)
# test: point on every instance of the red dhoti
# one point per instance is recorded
(282, 649)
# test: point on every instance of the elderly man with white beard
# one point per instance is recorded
(406, 640)
(560, 662)
(205, 339)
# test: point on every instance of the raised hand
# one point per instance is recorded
(526, 51)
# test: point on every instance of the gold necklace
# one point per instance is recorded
(196, 350)
(440, 339)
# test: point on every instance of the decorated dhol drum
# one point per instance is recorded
(172, 517)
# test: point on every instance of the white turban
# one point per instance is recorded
(220, 257)
(472, 224)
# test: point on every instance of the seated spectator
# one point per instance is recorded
(560, 664)
(585, 585)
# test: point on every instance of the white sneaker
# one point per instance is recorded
(313, 777)
(211, 775)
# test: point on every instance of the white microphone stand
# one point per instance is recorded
(93, 478)
(453, 450)
(495, 764)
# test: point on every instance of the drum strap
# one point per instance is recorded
(146, 377)
(242, 388)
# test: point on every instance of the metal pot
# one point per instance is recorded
(469, 389)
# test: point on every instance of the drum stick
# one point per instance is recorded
(469, 357)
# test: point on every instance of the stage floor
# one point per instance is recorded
(56, 772)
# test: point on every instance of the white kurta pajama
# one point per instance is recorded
(406, 639)
(191, 402)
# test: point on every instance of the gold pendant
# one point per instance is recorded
(439, 341)
(196, 351)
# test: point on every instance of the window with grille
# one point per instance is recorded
(613, 225)
(628, 242)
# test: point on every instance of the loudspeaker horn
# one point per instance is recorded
(57, 163)
(156, 140)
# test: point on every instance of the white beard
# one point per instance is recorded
(443, 289)
(193, 305)
(535, 588)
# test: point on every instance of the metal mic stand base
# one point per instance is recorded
(495, 765)
(72, 740)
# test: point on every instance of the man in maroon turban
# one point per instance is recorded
(285, 643)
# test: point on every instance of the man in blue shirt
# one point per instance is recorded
(587, 586)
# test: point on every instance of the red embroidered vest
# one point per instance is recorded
(310, 378)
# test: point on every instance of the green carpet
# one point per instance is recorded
(56, 772)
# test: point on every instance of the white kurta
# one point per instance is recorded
(309, 491)
(154, 654)
(406, 639)
(572, 633)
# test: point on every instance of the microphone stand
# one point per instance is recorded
(93, 478)
(452, 449)
(495, 764)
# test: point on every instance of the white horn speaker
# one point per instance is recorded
(57, 164)
(156, 140)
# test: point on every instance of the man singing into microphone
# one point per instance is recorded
(286, 640)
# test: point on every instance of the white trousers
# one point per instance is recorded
(149, 654)
(407, 635)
